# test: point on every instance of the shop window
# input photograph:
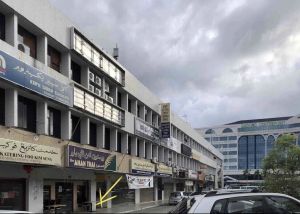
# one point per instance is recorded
(2, 27)
(119, 142)
(107, 139)
(119, 99)
(82, 196)
(2, 106)
(46, 195)
(129, 106)
(138, 148)
(54, 58)
(27, 42)
(26, 114)
(75, 129)
(93, 134)
(54, 122)
(129, 145)
(138, 111)
(76, 72)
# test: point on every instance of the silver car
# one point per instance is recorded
(176, 197)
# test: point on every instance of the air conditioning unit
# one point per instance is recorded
(154, 160)
(98, 92)
(91, 88)
(98, 80)
(24, 48)
(91, 77)
(106, 88)
(110, 99)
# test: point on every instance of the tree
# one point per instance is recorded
(281, 167)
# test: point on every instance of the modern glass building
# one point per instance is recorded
(245, 143)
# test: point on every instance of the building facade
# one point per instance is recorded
(73, 120)
(245, 143)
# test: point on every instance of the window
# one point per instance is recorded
(76, 72)
(138, 148)
(138, 111)
(129, 105)
(129, 145)
(54, 121)
(107, 139)
(279, 204)
(232, 138)
(119, 99)
(270, 143)
(26, 114)
(93, 134)
(248, 204)
(2, 27)
(223, 138)
(227, 130)
(210, 131)
(119, 141)
(75, 129)
(27, 42)
(54, 58)
(2, 106)
(218, 206)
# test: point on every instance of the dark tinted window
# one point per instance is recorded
(26, 114)
(2, 106)
(119, 141)
(129, 145)
(2, 27)
(54, 58)
(278, 204)
(54, 121)
(107, 139)
(27, 42)
(76, 72)
(93, 134)
(75, 129)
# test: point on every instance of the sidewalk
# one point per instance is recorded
(130, 207)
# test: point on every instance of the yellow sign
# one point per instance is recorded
(101, 198)
(142, 165)
(165, 113)
(163, 169)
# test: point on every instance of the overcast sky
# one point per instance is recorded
(216, 61)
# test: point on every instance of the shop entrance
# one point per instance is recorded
(12, 194)
(160, 188)
(64, 195)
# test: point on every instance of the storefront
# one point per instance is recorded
(190, 184)
(164, 181)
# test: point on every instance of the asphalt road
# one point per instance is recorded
(159, 209)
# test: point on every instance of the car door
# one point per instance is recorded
(281, 204)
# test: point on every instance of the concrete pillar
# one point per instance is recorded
(134, 142)
(113, 139)
(166, 155)
(155, 190)
(42, 118)
(34, 194)
(85, 130)
(124, 143)
(114, 94)
(134, 105)
(101, 136)
(125, 101)
(142, 112)
(92, 196)
(137, 196)
(155, 151)
(11, 107)
(161, 154)
(149, 150)
(142, 149)
(11, 29)
(65, 67)
(108, 185)
(42, 49)
(84, 76)
(66, 126)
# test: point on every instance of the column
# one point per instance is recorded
(42, 49)
(85, 130)
(142, 111)
(108, 185)
(155, 151)
(34, 194)
(11, 107)
(114, 94)
(84, 76)
(101, 136)
(137, 196)
(124, 143)
(66, 126)
(11, 29)
(125, 100)
(134, 107)
(92, 196)
(149, 150)
(161, 154)
(113, 139)
(66, 64)
(42, 118)
(134, 143)
(155, 190)
(142, 148)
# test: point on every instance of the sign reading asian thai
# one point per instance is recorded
(165, 113)
(145, 130)
(22, 152)
(19, 73)
(139, 182)
(142, 167)
(163, 170)
(78, 157)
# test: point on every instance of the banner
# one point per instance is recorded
(142, 167)
(22, 152)
(139, 182)
(146, 131)
(31, 78)
(78, 157)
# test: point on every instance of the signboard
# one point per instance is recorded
(163, 170)
(17, 72)
(146, 131)
(78, 157)
(142, 167)
(192, 174)
(22, 152)
(189, 183)
(186, 150)
(165, 130)
(165, 113)
(139, 182)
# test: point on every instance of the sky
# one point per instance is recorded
(216, 61)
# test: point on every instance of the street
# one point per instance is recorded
(159, 209)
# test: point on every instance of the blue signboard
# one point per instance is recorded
(165, 130)
(17, 72)
(141, 172)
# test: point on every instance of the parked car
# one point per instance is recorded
(176, 197)
(14, 211)
(217, 202)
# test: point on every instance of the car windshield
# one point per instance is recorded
(186, 193)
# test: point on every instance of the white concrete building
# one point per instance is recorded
(73, 120)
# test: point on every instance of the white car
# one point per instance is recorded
(216, 203)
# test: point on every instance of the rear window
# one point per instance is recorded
(175, 194)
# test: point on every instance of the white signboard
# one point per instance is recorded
(165, 113)
(139, 182)
(145, 130)
(192, 174)
(22, 152)
(173, 144)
